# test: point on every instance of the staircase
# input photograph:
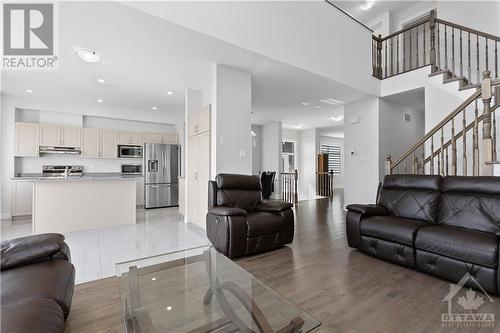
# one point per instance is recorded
(465, 142)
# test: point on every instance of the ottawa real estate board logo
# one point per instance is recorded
(30, 38)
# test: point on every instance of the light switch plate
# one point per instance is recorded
(222, 140)
(243, 153)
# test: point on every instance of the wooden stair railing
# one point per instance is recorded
(458, 52)
(325, 183)
(289, 190)
(469, 130)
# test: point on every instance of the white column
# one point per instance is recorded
(231, 121)
(271, 152)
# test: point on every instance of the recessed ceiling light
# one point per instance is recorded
(367, 4)
(317, 107)
(88, 55)
(339, 118)
(331, 101)
(153, 279)
(169, 308)
(253, 133)
(100, 80)
(170, 92)
(154, 108)
(29, 91)
(100, 100)
(299, 126)
(304, 103)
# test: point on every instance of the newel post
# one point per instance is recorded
(379, 57)
(388, 165)
(432, 27)
(487, 142)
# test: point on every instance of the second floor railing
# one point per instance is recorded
(460, 52)
(289, 190)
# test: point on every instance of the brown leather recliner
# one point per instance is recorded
(38, 280)
(239, 223)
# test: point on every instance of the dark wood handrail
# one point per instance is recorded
(442, 123)
(472, 31)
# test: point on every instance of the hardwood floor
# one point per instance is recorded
(345, 289)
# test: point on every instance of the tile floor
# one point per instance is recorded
(95, 252)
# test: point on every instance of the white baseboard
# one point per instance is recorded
(5, 216)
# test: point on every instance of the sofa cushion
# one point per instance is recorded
(261, 223)
(471, 202)
(467, 245)
(52, 279)
(35, 315)
(411, 196)
(391, 228)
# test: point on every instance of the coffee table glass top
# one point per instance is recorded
(200, 290)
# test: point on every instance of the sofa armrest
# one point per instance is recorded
(367, 210)
(25, 250)
(273, 206)
(227, 211)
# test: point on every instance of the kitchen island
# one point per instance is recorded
(82, 203)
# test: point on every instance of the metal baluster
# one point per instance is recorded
(385, 60)
(414, 168)
(486, 56)
(469, 72)
(432, 156)
(494, 135)
(397, 53)
(392, 58)
(445, 47)
(423, 159)
(447, 163)
(425, 57)
(475, 142)
(453, 149)
(464, 138)
(442, 151)
(417, 46)
(453, 50)
(411, 63)
(438, 48)
(404, 52)
(405, 167)
(496, 60)
(477, 62)
(461, 58)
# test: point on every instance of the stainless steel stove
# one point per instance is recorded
(58, 171)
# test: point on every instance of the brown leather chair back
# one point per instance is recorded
(471, 202)
(240, 191)
(411, 196)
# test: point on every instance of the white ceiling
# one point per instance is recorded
(379, 8)
(143, 57)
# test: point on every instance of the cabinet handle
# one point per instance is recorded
(196, 175)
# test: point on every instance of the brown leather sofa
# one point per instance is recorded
(37, 284)
(443, 226)
(239, 223)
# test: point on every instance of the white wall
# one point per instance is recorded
(271, 152)
(480, 15)
(308, 149)
(396, 134)
(338, 181)
(361, 175)
(257, 150)
(231, 120)
(68, 113)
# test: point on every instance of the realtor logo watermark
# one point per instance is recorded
(471, 302)
(30, 38)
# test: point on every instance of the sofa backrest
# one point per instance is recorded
(411, 196)
(240, 191)
(471, 202)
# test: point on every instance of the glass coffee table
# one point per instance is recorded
(199, 290)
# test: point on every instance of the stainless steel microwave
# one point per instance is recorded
(128, 151)
(132, 169)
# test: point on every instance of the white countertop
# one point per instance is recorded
(86, 177)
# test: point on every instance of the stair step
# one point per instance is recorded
(455, 78)
(441, 72)
(493, 162)
(470, 86)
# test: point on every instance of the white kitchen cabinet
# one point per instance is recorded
(26, 139)
(152, 137)
(90, 143)
(139, 191)
(129, 138)
(169, 138)
(182, 198)
(50, 135)
(107, 143)
(55, 135)
(22, 197)
(199, 122)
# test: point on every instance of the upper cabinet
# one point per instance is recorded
(169, 138)
(55, 135)
(199, 122)
(99, 143)
(160, 138)
(129, 138)
(27, 139)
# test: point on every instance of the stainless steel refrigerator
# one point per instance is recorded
(161, 175)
